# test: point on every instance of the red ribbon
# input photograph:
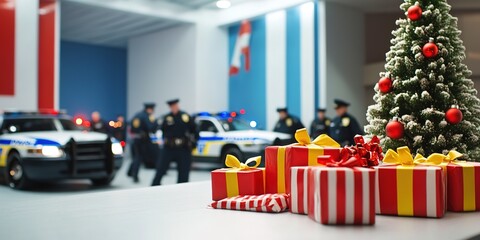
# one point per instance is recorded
(360, 155)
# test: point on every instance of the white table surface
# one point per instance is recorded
(181, 212)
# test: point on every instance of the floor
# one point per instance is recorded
(200, 172)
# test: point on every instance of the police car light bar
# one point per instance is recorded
(39, 112)
(52, 112)
(223, 114)
(204, 114)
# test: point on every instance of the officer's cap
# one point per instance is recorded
(173, 101)
(282, 109)
(340, 103)
(149, 105)
(321, 110)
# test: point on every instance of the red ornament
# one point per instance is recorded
(395, 129)
(414, 12)
(385, 85)
(454, 115)
(430, 50)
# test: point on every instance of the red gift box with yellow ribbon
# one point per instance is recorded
(238, 179)
(463, 180)
(279, 159)
(463, 186)
(408, 187)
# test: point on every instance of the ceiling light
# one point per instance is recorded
(223, 4)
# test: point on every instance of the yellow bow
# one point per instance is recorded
(404, 157)
(438, 158)
(303, 138)
(233, 162)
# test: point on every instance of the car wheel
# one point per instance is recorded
(101, 182)
(15, 172)
(232, 151)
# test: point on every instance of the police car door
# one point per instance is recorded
(208, 144)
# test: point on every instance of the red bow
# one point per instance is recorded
(361, 155)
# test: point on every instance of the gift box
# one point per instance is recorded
(306, 156)
(273, 203)
(279, 159)
(238, 179)
(409, 188)
(298, 195)
(463, 186)
(361, 155)
(275, 169)
(463, 180)
(341, 195)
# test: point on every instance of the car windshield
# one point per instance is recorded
(235, 125)
(28, 125)
(68, 125)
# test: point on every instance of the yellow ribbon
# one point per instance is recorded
(315, 149)
(302, 137)
(234, 167)
(233, 162)
(404, 157)
(437, 158)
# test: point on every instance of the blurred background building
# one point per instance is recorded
(111, 55)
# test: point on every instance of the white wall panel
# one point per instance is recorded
(345, 57)
(307, 62)
(26, 58)
(275, 64)
(161, 66)
(211, 66)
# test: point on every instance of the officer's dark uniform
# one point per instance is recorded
(99, 126)
(142, 125)
(289, 125)
(344, 128)
(180, 136)
(320, 126)
(119, 132)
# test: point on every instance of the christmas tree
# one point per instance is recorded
(426, 86)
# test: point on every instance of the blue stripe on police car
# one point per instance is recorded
(29, 142)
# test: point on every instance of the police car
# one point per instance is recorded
(48, 146)
(227, 133)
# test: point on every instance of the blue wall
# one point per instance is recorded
(247, 89)
(93, 78)
(293, 61)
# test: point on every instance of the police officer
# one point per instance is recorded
(180, 137)
(119, 130)
(98, 125)
(320, 125)
(344, 126)
(142, 125)
(287, 123)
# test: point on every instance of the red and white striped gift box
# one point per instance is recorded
(273, 203)
(298, 191)
(338, 195)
